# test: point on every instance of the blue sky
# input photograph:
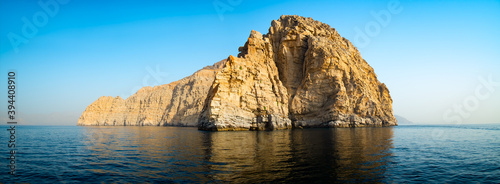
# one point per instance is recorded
(432, 55)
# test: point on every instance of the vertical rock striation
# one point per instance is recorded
(301, 74)
(247, 93)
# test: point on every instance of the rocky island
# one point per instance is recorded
(300, 74)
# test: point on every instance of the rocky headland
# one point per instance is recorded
(176, 104)
(302, 73)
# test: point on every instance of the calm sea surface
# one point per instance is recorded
(403, 154)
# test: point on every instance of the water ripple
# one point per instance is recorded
(406, 154)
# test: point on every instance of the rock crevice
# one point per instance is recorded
(301, 74)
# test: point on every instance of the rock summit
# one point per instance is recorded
(302, 73)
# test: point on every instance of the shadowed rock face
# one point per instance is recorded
(301, 74)
(176, 104)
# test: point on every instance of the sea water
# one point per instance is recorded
(401, 154)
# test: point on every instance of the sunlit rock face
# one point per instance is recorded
(301, 74)
(176, 104)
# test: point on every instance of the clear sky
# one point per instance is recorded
(439, 59)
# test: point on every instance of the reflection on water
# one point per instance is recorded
(187, 155)
(403, 154)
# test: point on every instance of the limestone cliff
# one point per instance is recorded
(301, 74)
(177, 104)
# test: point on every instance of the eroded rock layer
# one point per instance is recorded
(301, 74)
(176, 104)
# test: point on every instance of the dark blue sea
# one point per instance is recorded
(402, 154)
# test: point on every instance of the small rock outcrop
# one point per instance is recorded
(176, 104)
(301, 74)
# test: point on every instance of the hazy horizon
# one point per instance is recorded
(440, 60)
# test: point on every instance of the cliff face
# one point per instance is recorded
(301, 74)
(176, 104)
(247, 93)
